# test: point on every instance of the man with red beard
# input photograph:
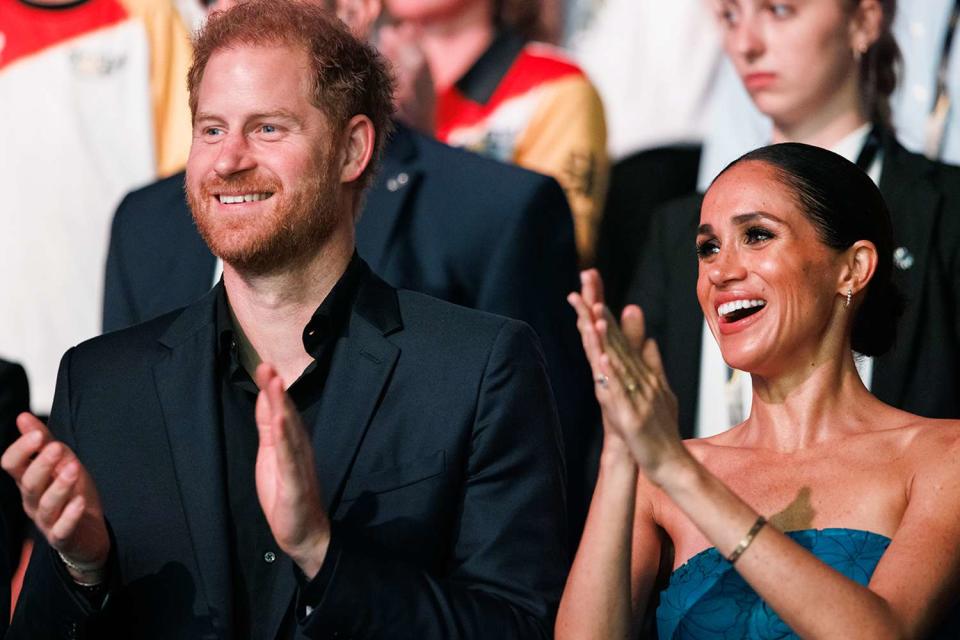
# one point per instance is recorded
(306, 451)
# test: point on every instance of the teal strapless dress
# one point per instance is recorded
(707, 599)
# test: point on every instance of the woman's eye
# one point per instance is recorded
(781, 10)
(707, 248)
(757, 234)
(728, 16)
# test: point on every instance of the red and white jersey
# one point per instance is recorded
(526, 103)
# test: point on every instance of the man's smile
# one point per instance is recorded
(243, 197)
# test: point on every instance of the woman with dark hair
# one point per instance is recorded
(826, 513)
(822, 70)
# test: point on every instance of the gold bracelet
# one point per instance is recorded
(747, 539)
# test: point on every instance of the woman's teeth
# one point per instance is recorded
(728, 308)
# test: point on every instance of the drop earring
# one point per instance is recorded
(849, 296)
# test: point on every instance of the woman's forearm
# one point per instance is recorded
(596, 600)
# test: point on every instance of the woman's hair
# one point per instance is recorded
(878, 67)
(844, 205)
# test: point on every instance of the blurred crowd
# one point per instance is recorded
(583, 131)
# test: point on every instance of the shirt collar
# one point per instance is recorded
(482, 79)
(329, 319)
(850, 145)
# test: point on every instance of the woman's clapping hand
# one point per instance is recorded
(639, 409)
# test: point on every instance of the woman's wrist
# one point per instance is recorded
(616, 455)
(679, 471)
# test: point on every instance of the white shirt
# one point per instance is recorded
(78, 135)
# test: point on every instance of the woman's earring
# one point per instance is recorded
(859, 51)
(849, 296)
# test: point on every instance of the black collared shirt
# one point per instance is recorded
(253, 549)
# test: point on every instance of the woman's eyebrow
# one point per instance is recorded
(752, 216)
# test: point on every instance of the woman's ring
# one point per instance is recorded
(602, 380)
(630, 385)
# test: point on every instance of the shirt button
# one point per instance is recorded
(270, 556)
(402, 179)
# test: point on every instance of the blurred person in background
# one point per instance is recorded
(925, 112)
(95, 102)
(653, 64)
(467, 75)
(822, 71)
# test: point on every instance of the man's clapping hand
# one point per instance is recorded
(287, 478)
(60, 497)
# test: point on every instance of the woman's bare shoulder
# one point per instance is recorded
(929, 439)
(915, 432)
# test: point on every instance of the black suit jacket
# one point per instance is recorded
(437, 220)
(14, 399)
(437, 449)
(921, 374)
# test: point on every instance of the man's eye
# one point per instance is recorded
(758, 234)
(707, 248)
(212, 131)
(268, 128)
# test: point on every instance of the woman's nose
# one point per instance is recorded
(745, 38)
(726, 267)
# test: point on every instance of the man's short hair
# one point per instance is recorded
(349, 76)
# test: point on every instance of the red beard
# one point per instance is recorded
(293, 226)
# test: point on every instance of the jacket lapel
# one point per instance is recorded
(186, 385)
(388, 200)
(359, 372)
(914, 203)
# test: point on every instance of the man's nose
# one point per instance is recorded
(234, 155)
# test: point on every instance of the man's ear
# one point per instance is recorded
(359, 15)
(860, 263)
(358, 141)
